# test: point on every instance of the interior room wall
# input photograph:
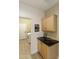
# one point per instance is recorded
(26, 21)
(54, 11)
(35, 15)
(23, 31)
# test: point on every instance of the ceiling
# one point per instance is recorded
(41, 4)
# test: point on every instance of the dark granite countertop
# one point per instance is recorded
(48, 41)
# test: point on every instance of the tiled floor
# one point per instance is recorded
(36, 56)
(24, 51)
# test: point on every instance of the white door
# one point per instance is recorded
(22, 31)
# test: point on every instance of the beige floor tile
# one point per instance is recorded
(24, 51)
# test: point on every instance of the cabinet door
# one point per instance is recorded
(51, 23)
(44, 25)
(39, 46)
(44, 51)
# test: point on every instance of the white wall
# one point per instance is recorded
(36, 16)
(22, 29)
(53, 10)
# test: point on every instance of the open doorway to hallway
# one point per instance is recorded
(25, 32)
(25, 38)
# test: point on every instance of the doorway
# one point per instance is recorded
(25, 38)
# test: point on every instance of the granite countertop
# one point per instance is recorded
(48, 41)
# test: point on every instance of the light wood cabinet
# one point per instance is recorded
(44, 25)
(48, 52)
(42, 48)
(49, 23)
(44, 51)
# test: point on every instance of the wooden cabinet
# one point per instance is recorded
(48, 52)
(49, 24)
(44, 25)
(44, 51)
(42, 48)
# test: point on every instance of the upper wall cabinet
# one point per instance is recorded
(49, 23)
